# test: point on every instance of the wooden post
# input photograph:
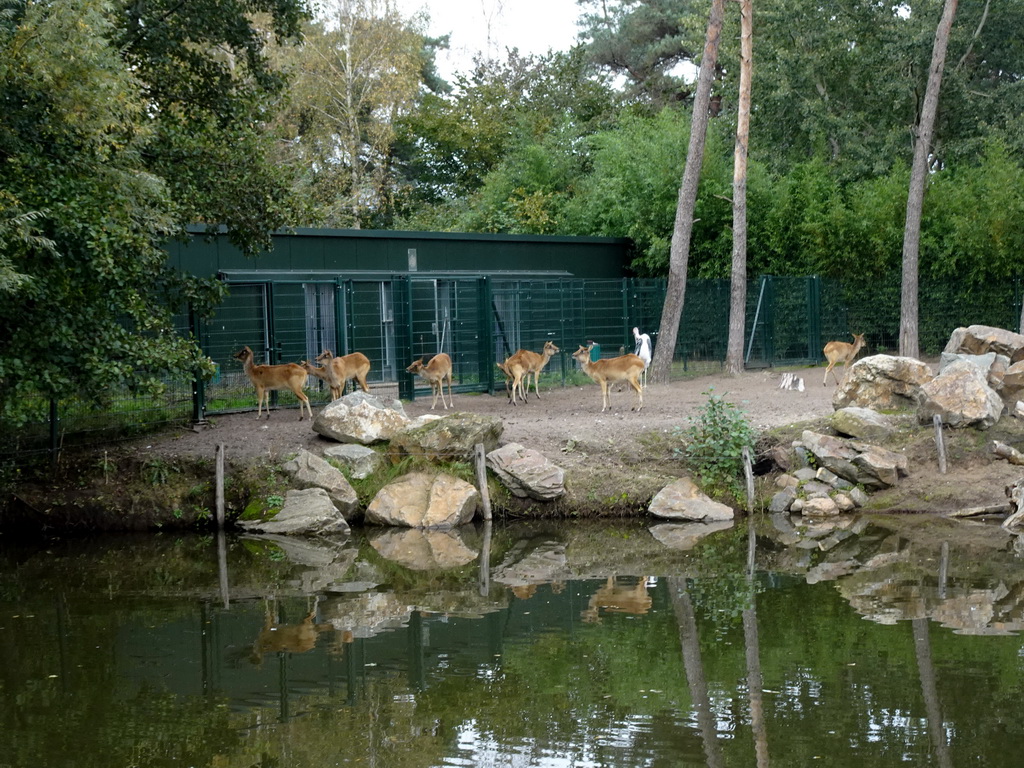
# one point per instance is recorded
(940, 443)
(481, 479)
(484, 580)
(220, 487)
(748, 471)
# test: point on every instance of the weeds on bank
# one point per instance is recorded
(712, 446)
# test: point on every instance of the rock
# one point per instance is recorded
(981, 339)
(423, 550)
(1013, 384)
(685, 536)
(780, 501)
(361, 418)
(526, 472)
(452, 438)
(532, 561)
(421, 500)
(1018, 409)
(683, 500)
(862, 423)
(882, 382)
(307, 512)
(310, 471)
(820, 507)
(992, 365)
(961, 396)
(360, 461)
(858, 462)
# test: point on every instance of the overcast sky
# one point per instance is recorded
(491, 26)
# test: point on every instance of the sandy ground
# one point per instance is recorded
(564, 423)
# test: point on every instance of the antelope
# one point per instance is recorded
(436, 371)
(624, 368)
(322, 373)
(515, 371)
(270, 377)
(342, 369)
(842, 352)
(534, 364)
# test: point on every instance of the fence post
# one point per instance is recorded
(402, 300)
(480, 461)
(748, 472)
(54, 431)
(198, 385)
(940, 443)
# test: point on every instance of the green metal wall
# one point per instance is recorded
(340, 250)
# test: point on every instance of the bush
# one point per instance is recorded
(713, 445)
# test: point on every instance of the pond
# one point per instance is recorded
(863, 642)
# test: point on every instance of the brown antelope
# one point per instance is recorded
(515, 371)
(616, 599)
(270, 377)
(842, 352)
(345, 368)
(624, 368)
(535, 364)
(436, 371)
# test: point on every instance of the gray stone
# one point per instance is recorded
(310, 471)
(826, 476)
(308, 512)
(683, 500)
(780, 501)
(862, 423)
(361, 418)
(360, 461)
(786, 481)
(859, 463)
(422, 500)
(1013, 384)
(526, 472)
(452, 438)
(882, 382)
(844, 502)
(981, 339)
(961, 396)
(815, 488)
(804, 474)
(859, 497)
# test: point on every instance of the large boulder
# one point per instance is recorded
(308, 512)
(310, 471)
(981, 339)
(882, 382)
(422, 500)
(862, 423)
(422, 550)
(992, 365)
(961, 396)
(361, 418)
(860, 463)
(1013, 384)
(683, 500)
(526, 472)
(452, 438)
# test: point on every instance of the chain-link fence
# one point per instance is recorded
(481, 320)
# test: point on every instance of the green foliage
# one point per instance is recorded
(713, 445)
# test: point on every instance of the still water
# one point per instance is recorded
(889, 641)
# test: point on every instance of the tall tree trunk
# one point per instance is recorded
(679, 253)
(738, 294)
(918, 182)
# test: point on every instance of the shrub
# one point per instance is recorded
(713, 445)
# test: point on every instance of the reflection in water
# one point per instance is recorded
(551, 648)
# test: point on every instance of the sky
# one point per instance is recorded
(491, 26)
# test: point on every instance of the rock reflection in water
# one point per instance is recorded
(423, 550)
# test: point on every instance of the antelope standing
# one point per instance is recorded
(345, 368)
(624, 368)
(270, 377)
(436, 371)
(534, 364)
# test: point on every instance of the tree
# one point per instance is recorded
(918, 181)
(738, 292)
(675, 292)
(120, 127)
(359, 69)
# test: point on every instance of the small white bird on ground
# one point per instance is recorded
(643, 351)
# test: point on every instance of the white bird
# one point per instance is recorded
(643, 351)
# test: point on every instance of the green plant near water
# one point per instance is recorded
(713, 445)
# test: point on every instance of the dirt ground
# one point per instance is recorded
(565, 424)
